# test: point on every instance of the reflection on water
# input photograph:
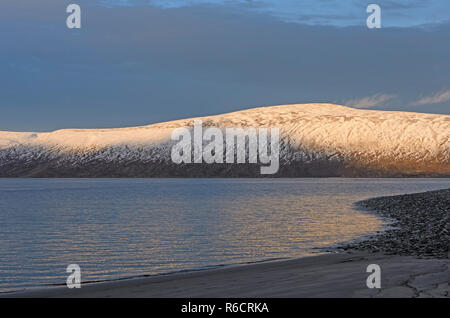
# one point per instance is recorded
(124, 227)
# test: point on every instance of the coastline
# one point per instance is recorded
(420, 225)
(329, 275)
(413, 257)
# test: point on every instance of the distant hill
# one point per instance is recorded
(316, 140)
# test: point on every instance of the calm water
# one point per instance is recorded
(126, 227)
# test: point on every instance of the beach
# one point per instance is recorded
(412, 256)
(332, 275)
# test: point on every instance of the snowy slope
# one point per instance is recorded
(317, 139)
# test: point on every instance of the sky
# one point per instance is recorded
(137, 62)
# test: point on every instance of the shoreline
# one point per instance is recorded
(43, 288)
(423, 231)
(327, 275)
(413, 256)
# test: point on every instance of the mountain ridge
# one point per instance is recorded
(316, 140)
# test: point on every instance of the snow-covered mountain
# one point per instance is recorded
(315, 140)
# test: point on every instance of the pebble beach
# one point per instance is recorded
(420, 225)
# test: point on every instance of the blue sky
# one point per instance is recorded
(139, 62)
(398, 13)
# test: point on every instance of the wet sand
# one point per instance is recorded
(331, 275)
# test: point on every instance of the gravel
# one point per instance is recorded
(421, 225)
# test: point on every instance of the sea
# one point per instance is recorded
(122, 228)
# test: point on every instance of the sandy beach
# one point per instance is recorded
(332, 275)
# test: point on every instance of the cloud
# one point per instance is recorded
(436, 98)
(399, 13)
(369, 101)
